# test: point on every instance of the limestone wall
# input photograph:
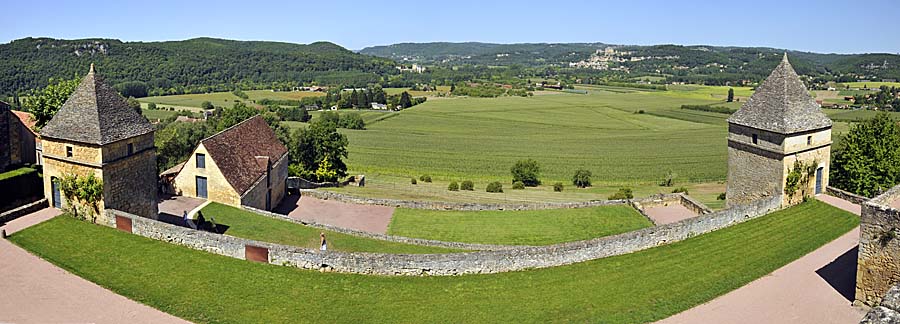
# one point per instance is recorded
(439, 205)
(888, 311)
(752, 174)
(452, 263)
(878, 263)
(661, 200)
(129, 184)
(217, 187)
(256, 196)
(846, 195)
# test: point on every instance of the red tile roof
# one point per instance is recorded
(27, 120)
(236, 151)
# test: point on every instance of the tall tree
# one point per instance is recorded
(316, 143)
(730, 95)
(405, 101)
(44, 103)
(867, 161)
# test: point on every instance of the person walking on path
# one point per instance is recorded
(323, 244)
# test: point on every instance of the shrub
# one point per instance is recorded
(518, 185)
(467, 185)
(527, 171)
(721, 196)
(151, 106)
(207, 105)
(558, 187)
(352, 121)
(623, 193)
(668, 180)
(582, 178)
(681, 190)
(413, 180)
(425, 178)
(453, 186)
(494, 187)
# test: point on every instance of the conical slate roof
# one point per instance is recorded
(781, 104)
(95, 113)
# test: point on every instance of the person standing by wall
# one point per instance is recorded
(323, 244)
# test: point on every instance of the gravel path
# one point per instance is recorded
(817, 288)
(369, 218)
(36, 291)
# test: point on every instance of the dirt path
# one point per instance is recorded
(36, 291)
(817, 288)
(369, 218)
(669, 214)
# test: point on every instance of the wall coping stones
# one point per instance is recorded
(23, 210)
(846, 195)
(888, 311)
(448, 264)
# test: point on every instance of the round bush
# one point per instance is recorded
(582, 178)
(453, 186)
(518, 185)
(425, 178)
(623, 193)
(413, 180)
(528, 171)
(558, 187)
(467, 185)
(721, 196)
(494, 187)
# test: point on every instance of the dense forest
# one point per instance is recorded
(189, 66)
(692, 64)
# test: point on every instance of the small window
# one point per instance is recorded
(68, 151)
(130, 149)
(201, 160)
(755, 138)
(809, 140)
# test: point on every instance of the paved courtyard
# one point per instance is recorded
(36, 291)
(669, 214)
(369, 218)
(175, 206)
(817, 288)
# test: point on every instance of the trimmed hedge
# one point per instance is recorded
(20, 186)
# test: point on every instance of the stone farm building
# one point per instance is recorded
(19, 144)
(242, 165)
(778, 125)
(96, 132)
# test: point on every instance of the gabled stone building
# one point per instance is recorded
(245, 164)
(17, 138)
(778, 125)
(96, 132)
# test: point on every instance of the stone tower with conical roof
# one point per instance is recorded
(778, 128)
(96, 132)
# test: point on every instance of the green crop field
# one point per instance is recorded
(417, 93)
(248, 225)
(527, 227)
(480, 139)
(634, 288)
(226, 99)
(871, 85)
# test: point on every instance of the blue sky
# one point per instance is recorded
(820, 26)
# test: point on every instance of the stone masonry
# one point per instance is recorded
(878, 263)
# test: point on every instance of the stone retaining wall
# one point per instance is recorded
(659, 200)
(878, 263)
(22, 210)
(450, 263)
(888, 311)
(383, 237)
(846, 195)
(438, 205)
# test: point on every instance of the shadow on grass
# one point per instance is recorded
(841, 273)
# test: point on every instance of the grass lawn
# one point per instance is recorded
(529, 227)
(639, 287)
(17, 172)
(252, 226)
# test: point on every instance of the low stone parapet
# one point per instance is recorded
(846, 195)
(439, 205)
(878, 263)
(447, 264)
(23, 210)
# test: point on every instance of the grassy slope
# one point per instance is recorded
(252, 226)
(638, 287)
(532, 227)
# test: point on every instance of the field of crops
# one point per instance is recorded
(870, 85)
(474, 138)
(226, 99)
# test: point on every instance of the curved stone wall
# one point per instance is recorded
(452, 263)
(438, 205)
